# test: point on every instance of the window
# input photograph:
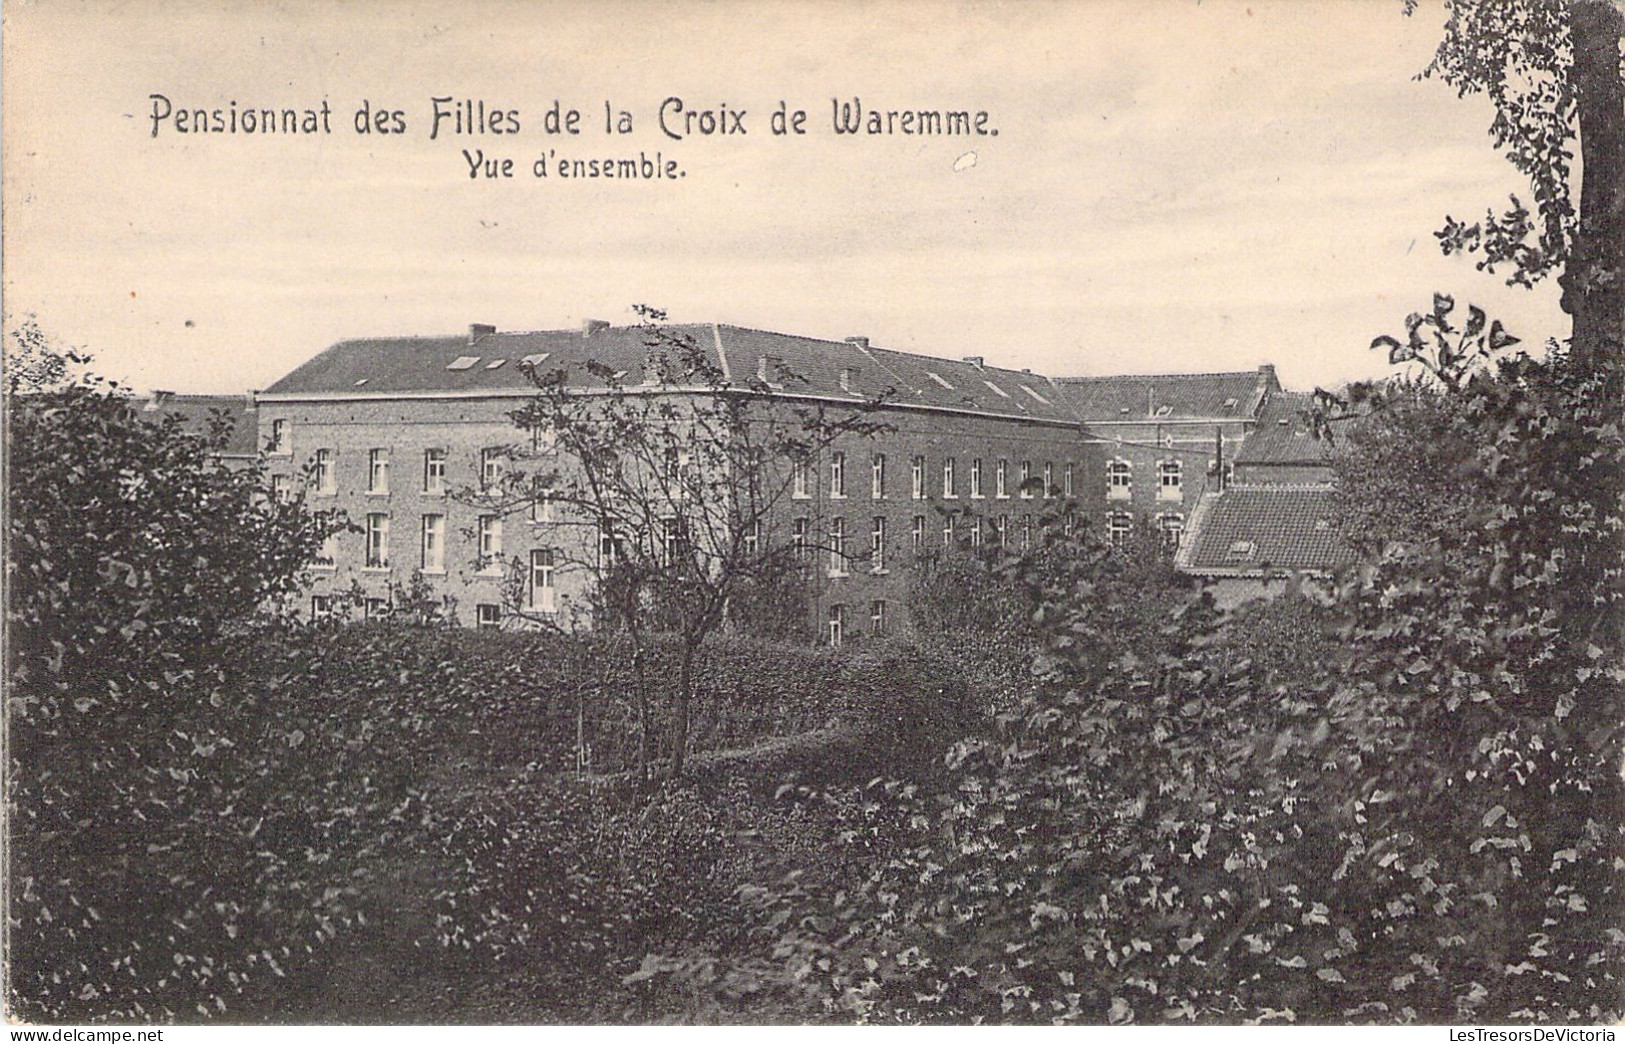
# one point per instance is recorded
(490, 544)
(279, 489)
(975, 532)
(877, 477)
(947, 531)
(671, 541)
(877, 544)
(1026, 531)
(877, 617)
(377, 541)
(1172, 525)
(798, 539)
(434, 543)
(378, 471)
(837, 547)
(752, 538)
(280, 445)
(327, 554)
(800, 480)
(321, 607)
(1168, 479)
(541, 505)
(1025, 487)
(543, 594)
(434, 471)
(1049, 479)
(837, 624)
(948, 478)
(917, 534)
(1119, 479)
(544, 440)
(487, 616)
(606, 546)
(837, 474)
(976, 478)
(1066, 490)
(376, 608)
(1000, 488)
(1118, 526)
(492, 466)
(917, 478)
(1003, 527)
(1242, 550)
(323, 472)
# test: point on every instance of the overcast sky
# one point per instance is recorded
(1174, 186)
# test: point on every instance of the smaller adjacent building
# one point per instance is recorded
(1277, 519)
(198, 413)
(1167, 440)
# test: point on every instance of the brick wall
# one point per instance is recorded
(407, 429)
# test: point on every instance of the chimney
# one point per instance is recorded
(849, 374)
(478, 330)
(975, 360)
(767, 367)
(858, 342)
(1267, 373)
(253, 399)
(592, 326)
(159, 400)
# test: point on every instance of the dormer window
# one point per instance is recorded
(1242, 550)
(463, 362)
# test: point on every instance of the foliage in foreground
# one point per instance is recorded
(1425, 828)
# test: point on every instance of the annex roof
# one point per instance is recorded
(1173, 396)
(1246, 528)
(197, 411)
(1283, 436)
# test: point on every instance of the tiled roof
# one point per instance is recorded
(1168, 396)
(1283, 436)
(1245, 528)
(196, 412)
(801, 365)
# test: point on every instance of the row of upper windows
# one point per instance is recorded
(801, 479)
(1120, 479)
(324, 470)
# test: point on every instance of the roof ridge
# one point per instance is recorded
(1155, 376)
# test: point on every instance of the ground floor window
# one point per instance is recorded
(877, 617)
(487, 616)
(1172, 525)
(1118, 526)
(837, 624)
(543, 591)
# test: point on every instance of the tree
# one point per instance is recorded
(666, 494)
(1552, 70)
(151, 803)
(138, 546)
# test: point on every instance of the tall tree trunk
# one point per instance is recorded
(679, 725)
(1594, 282)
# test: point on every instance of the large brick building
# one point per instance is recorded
(390, 429)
